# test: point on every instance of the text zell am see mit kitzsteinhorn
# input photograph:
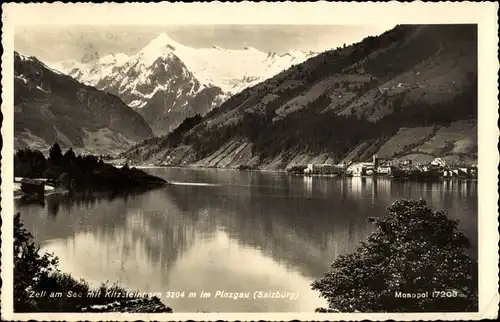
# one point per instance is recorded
(173, 295)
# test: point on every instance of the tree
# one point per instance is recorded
(414, 250)
(55, 152)
(70, 154)
(29, 267)
(28, 163)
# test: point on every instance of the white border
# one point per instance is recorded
(484, 14)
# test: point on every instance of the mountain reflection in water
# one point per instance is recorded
(230, 231)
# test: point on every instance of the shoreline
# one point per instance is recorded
(201, 168)
(439, 179)
(19, 195)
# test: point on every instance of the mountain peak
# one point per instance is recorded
(163, 39)
(160, 46)
(296, 51)
(299, 53)
(162, 42)
(114, 58)
(343, 88)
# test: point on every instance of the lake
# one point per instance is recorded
(229, 231)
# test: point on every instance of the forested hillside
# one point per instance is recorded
(408, 93)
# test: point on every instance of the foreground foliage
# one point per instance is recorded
(37, 277)
(414, 250)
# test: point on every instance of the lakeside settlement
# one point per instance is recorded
(435, 170)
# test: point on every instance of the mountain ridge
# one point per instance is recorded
(341, 101)
(52, 107)
(134, 78)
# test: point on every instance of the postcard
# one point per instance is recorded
(244, 161)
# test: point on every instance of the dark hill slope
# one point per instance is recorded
(51, 107)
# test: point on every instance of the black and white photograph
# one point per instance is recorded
(320, 168)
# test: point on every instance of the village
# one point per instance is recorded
(398, 169)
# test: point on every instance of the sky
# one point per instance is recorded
(57, 43)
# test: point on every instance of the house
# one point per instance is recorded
(360, 168)
(438, 162)
(447, 173)
(384, 170)
(355, 169)
(407, 162)
(323, 169)
(392, 163)
(342, 165)
(364, 168)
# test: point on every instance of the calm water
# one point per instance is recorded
(221, 230)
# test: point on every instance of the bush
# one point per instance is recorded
(414, 250)
(29, 267)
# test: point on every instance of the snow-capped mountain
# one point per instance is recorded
(167, 81)
(408, 94)
(90, 70)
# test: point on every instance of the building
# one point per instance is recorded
(406, 162)
(384, 170)
(343, 165)
(364, 168)
(360, 168)
(438, 162)
(323, 169)
(375, 161)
